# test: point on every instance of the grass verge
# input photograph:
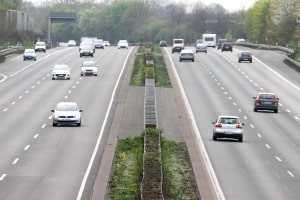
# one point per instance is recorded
(140, 70)
(178, 177)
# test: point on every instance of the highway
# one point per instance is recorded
(266, 164)
(39, 161)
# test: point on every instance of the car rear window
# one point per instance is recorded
(266, 96)
(229, 120)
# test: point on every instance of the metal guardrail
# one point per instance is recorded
(10, 50)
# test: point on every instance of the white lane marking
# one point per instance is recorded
(27, 91)
(2, 177)
(27, 147)
(268, 146)
(296, 118)
(20, 97)
(15, 161)
(36, 136)
(66, 97)
(5, 109)
(287, 110)
(4, 78)
(259, 135)
(252, 126)
(13, 103)
(277, 74)
(278, 159)
(290, 173)
(202, 149)
(88, 170)
(43, 126)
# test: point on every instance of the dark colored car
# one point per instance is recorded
(163, 43)
(245, 56)
(226, 46)
(266, 101)
(186, 54)
(220, 42)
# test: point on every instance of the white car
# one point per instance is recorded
(123, 44)
(72, 43)
(61, 71)
(106, 43)
(89, 67)
(40, 46)
(228, 127)
(66, 113)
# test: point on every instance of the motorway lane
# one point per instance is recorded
(38, 161)
(264, 166)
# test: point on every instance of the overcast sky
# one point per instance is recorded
(230, 5)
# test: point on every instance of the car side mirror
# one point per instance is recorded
(52, 110)
(253, 97)
(80, 110)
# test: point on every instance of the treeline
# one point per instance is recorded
(267, 21)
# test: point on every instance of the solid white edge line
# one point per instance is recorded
(211, 172)
(82, 186)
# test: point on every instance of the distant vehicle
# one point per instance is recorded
(178, 45)
(266, 101)
(210, 40)
(201, 47)
(163, 43)
(226, 46)
(99, 44)
(88, 42)
(86, 50)
(61, 71)
(89, 67)
(245, 56)
(228, 127)
(40, 46)
(186, 54)
(240, 40)
(71, 43)
(66, 113)
(199, 41)
(29, 54)
(220, 42)
(123, 44)
(106, 43)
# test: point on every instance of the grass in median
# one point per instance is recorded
(178, 177)
(140, 69)
(127, 171)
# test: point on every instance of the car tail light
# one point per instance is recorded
(276, 100)
(218, 125)
(239, 126)
(257, 100)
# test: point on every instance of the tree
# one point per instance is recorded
(11, 4)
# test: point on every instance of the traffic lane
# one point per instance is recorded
(272, 75)
(25, 76)
(215, 101)
(279, 130)
(61, 134)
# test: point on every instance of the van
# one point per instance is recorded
(178, 45)
(40, 46)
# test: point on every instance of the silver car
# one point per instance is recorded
(89, 67)
(61, 71)
(29, 54)
(66, 113)
(228, 127)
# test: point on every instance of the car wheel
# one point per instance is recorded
(250, 61)
(78, 124)
(81, 74)
(54, 124)
(24, 59)
(255, 110)
(215, 138)
(53, 78)
(276, 111)
(241, 139)
(193, 60)
(96, 74)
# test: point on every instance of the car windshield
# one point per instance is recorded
(29, 51)
(66, 107)
(267, 96)
(229, 120)
(61, 67)
(88, 64)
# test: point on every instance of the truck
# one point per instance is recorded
(210, 39)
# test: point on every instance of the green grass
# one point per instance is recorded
(140, 69)
(127, 171)
(178, 177)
